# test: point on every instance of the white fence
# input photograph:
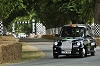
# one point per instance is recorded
(53, 31)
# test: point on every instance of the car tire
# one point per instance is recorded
(55, 55)
(82, 53)
(93, 53)
(85, 53)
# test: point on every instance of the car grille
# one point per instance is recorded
(66, 45)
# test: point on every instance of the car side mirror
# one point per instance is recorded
(57, 35)
(88, 36)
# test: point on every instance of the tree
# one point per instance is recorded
(11, 9)
(55, 13)
(52, 13)
(97, 12)
(80, 11)
(7, 7)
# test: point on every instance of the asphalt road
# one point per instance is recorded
(48, 60)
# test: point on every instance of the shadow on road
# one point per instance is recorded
(35, 40)
(71, 56)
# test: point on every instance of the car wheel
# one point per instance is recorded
(85, 52)
(82, 53)
(55, 55)
(93, 53)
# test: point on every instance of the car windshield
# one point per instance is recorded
(72, 32)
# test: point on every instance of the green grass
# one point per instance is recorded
(30, 53)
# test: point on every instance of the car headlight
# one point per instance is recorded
(78, 43)
(55, 43)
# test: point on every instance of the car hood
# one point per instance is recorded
(71, 39)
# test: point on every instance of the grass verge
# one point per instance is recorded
(30, 53)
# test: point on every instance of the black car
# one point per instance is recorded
(75, 39)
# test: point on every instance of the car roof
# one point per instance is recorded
(77, 25)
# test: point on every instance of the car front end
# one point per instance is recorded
(68, 46)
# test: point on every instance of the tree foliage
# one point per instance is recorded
(7, 7)
(55, 13)
(52, 13)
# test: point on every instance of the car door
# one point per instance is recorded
(89, 39)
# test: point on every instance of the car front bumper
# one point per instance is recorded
(74, 51)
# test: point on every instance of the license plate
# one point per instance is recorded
(66, 52)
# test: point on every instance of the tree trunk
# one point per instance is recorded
(1, 20)
(97, 12)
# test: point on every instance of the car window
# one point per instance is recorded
(89, 31)
(72, 32)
